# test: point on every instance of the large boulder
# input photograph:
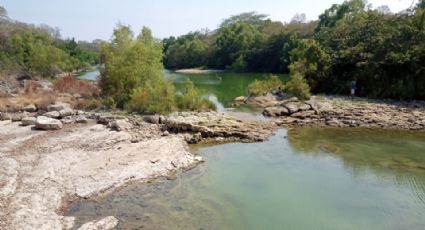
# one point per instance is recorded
(52, 114)
(46, 123)
(58, 106)
(28, 121)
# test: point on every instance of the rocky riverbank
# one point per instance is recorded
(341, 112)
(48, 158)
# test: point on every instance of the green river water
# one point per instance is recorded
(303, 178)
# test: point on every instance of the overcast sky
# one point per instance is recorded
(91, 19)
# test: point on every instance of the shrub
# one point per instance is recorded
(190, 99)
(154, 97)
(109, 103)
(298, 87)
(71, 85)
(262, 87)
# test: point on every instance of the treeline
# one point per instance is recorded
(40, 50)
(383, 51)
(246, 42)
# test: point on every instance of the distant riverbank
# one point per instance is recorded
(197, 71)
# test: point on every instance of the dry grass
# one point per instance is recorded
(74, 86)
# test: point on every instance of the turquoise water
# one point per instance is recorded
(299, 179)
(90, 75)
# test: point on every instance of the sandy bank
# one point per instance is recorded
(197, 71)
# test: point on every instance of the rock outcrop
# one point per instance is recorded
(340, 112)
(212, 126)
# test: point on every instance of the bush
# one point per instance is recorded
(190, 99)
(298, 87)
(155, 97)
(71, 85)
(262, 87)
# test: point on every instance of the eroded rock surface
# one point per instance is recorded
(39, 170)
(217, 126)
(343, 112)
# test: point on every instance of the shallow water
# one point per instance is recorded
(301, 179)
(90, 75)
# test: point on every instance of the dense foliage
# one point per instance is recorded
(384, 52)
(245, 42)
(132, 76)
(38, 50)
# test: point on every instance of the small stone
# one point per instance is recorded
(66, 112)
(81, 119)
(166, 134)
(67, 120)
(18, 117)
(52, 114)
(5, 117)
(28, 121)
(46, 123)
(120, 125)
(30, 108)
(58, 106)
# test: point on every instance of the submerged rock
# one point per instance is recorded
(46, 123)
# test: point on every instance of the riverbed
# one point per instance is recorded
(299, 179)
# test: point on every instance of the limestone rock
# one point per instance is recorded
(67, 120)
(296, 106)
(18, 116)
(106, 223)
(28, 121)
(58, 106)
(66, 112)
(52, 114)
(153, 119)
(30, 108)
(276, 111)
(5, 117)
(46, 123)
(81, 119)
(120, 125)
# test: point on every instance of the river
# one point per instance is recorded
(220, 88)
(303, 178)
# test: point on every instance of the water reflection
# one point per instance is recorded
(395, 155)
(303, 179)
